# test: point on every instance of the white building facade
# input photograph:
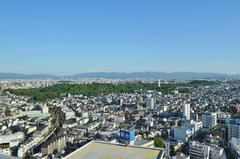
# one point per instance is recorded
(209, 120)
(186, 111)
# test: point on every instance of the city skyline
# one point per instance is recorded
(59, 37)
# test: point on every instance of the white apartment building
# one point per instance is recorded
(198, 150)
(12, 139)
(150, 103)
(195, 125)
(186, 111)
(209, 120)
(201, 151)
(5, 151)
(69, 114)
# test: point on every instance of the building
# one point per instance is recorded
(149, 103)
(38, 136)
(5, 151)
(2, 111)
(127, 136)
(195, 125)
(216, 152)
(144, 142)
(104, 150)
(34, 114)
(45, 109)
(2, 156)
(56, 143)
(69, 114)
(198, 150)
(234, 129)
(179, 156)
(186, 111)
(12, 139)
(182, 133)
(209, 120)
(235, 147)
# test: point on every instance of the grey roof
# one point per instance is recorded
(114, 151)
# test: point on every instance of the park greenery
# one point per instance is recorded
(97, 89)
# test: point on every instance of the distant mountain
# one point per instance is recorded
(141, 75)
(153, 75)
(238, 75)
(25, 76)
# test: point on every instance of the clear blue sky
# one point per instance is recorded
(72, 36)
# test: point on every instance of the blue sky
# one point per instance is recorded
(73, 36)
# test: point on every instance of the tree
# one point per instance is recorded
(158, 142)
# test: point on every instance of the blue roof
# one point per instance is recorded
(234, 122)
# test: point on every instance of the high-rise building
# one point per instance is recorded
(149, 103)
(209, 120)
(234, 129)
(159, 83)
(186, 111)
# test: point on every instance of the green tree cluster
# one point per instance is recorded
(96, 89)
(158, 142)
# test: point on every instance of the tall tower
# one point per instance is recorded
(159, 83)
(186, 111)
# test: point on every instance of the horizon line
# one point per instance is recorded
(123, 72)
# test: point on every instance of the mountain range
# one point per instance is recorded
(132, 75)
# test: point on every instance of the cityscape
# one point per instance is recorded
(115, 118)
(119, 79)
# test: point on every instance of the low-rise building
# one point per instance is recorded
(195, 125)
(12, 139)
(56, 143)
(198, 150)
(235, 147)
(216, 152)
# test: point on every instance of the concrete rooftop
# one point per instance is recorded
(100, 150)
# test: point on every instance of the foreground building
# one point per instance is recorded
(198, 150)
(234, 129)
(56, 143)
(96, 149)
(235, 148)
(12, 139)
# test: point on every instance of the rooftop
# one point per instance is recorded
(7, 157)
(104, 150)
(234, 122)
(236, 144)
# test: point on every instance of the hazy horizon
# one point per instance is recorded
(79, 73)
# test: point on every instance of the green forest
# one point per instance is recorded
(96, 89)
